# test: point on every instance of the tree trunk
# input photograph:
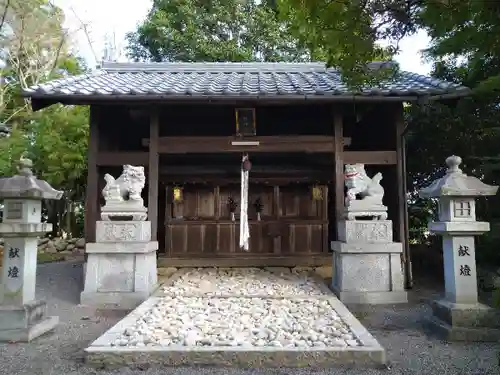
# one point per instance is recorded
(69, 217)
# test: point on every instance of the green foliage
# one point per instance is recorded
(35, 49)
(462, 31)
(348, 32)
(12, 147)
(496, 298)
(217, 30)
(464, 34)
(60, 136)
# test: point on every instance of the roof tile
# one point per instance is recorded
(302, 80)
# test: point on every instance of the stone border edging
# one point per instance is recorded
(369, 354)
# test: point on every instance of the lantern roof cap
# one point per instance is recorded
(26, 185)
(455, 183)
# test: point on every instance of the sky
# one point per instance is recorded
(114, 18)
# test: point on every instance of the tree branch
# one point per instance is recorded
(4, 14)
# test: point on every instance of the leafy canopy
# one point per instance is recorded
(216, 30)
(35, 48)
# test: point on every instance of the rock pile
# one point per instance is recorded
(58, 245)
(246, 322)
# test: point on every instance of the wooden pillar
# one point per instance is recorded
(92, 193)
(277, 240)
(338, 191)
(402, 198)
(153, 175)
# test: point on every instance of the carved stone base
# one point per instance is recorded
(368, 273)
(361, 209)
(116, 270)
(123, 231)
(365, 231)
(25, 323)
(124, 211)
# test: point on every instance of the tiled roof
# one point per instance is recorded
(231, 80)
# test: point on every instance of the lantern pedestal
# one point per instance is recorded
(25, 323)
(459, 316)
(22, 318)
(465, 322)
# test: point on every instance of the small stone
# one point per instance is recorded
(165, 342)
(352, 342)
(301, 343)
(338, 342)
(129, 332)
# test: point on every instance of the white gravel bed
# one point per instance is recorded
(243, 281)
(231, 322)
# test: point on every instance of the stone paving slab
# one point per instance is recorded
(368, 353)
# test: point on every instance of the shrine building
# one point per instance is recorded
(189, 124)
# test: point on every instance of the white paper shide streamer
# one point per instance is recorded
(244, 228)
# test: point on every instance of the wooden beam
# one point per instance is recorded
(119, 158)
(339, 155)
(153, 175)
(402, 198)
(270, 174)
(257, 260)
(282, 143)
(371, 157)
(234, 170)
(91, 193)
(222, 180)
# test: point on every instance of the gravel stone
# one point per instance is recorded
(397, 328)
(212, 321)
(243, 281)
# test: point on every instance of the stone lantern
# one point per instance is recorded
(459, 315)
(22, 318)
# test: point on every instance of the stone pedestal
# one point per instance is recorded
(22, 317)
(465, 322)
(121, 267)
(459, 316)
(367, 263)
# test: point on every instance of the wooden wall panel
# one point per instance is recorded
(296, 203)
(222, 239)
(291, 222)
(303, 239)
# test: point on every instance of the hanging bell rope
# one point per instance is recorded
(244, 227)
